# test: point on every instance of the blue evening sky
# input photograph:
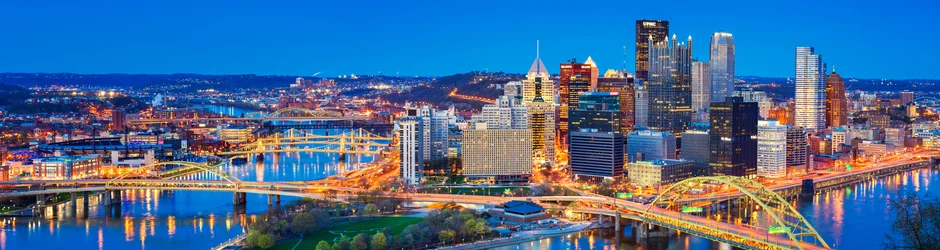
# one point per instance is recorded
(864, 39)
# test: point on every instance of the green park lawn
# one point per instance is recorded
(490, 191)
(370, 226)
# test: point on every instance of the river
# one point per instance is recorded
(161, 220)
(852, 217)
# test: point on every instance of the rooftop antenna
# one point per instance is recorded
(538, 66)
(624, 58)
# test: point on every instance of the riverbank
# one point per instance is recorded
(522, 237)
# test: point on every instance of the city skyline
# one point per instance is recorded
(295, 39)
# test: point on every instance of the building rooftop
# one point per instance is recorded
(522, 207)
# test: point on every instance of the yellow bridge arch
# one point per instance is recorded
(778, 208)
(211, 169)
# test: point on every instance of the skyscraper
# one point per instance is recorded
(701, 86)
(836, 107)
(598, 111)
(596, 155)
(733, 136)
(498, 146)
(670, 86)
(696, 143)
(721, 62)
(810, 105)
(646, 31)
(622, 84)
(568, 93)
(409, 130)
(771, 149)
(506, 113)
(907, 97)
(641, 105)
(594, 71)
(538, 97)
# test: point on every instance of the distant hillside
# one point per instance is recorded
(479, 84)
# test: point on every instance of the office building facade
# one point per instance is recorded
(644, 145)
(661, 172)
(596, 156)
(701, 86)
(797, 147)
(771, 149)
(696, 141)
(646, 31)
(598, 111)
(836, 107)
(497, 155)
(733, 133)
(574, 78)
(622, 84)
(670, 86)
(538, 98)
(810, 108)
(721, 62)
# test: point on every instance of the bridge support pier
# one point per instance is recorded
(617, 222)
(239, 199)
(259, 157)
(600, 219)
(646, 231)
(85, 205)
(270, 198)
(73, 205)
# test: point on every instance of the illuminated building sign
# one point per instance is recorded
(778, 229)
(687, 209)
(622, 195)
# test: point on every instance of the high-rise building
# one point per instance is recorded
(701, 86)
(894, 137)
(538, 97)
(513, 89)
(647, 31)
(427, 127)
(810, 108)
(670, 86)
(598, 111)
(621, 83)
(836, 107)
(696, 143)
(118, 119)
(409, 130)
(879, 120)
(574, 78)
(764, 104)
(497, 155)
(506, 113)
(645, 145)
(594, 71)
(771, 149)
(596, 155)
(721, 62)
(641, 104)
(907, 97)
(733, 136)
(538, 84)
(797, 147)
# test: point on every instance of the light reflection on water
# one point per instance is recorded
(168, 219)
(851, 217)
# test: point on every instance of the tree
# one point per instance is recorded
(303, 224)
(370, 210)
(252, 237)
(323, 245)
(342, 244)
(379, 241)
(359, 242)
(916, 224)
(266, 241)
(446, 236)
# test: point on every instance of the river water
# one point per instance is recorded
(171, 219)
(852, 217)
